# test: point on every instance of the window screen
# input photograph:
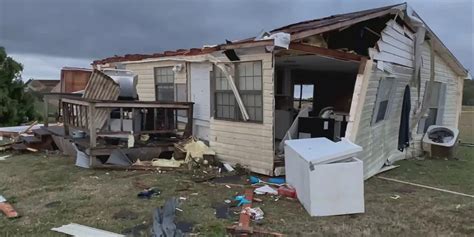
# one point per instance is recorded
(382, 103)
(248, 80)
(164, 80)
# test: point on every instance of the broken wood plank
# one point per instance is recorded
(29, 127)
(325, 52)
(249, 44)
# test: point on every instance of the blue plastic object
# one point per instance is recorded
(254, 180)
(242, 200)
(277, 180)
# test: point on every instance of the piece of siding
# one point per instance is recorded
(385, 47)
(388, 57)
(399, 37)
(391, 40)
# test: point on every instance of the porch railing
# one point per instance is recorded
(104, 118)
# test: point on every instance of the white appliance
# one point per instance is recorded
(327, 176)
(440, 141)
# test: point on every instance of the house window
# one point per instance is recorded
(164, 81)
(382, 102)
(435, 106)
(248, 80)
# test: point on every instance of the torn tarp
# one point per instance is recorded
(164, 220)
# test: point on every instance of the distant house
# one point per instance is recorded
(360, 66)
(41, 85)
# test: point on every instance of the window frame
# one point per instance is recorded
(439, 105)
(168, 84)
(379, 100)
(237, 114)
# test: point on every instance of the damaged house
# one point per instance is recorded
(378, 78)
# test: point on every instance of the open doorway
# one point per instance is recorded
(313, 95)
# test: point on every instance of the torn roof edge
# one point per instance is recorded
(444, 52)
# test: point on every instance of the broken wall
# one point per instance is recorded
(248, 143)
(380, 140)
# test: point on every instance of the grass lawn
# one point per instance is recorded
(49, 191)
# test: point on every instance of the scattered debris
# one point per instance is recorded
(425, 186)
(387, 168)
(271, 181)
(287, 191)
(266, 189)
(164, 220)
(171, 163)
(53, 204)
(32, 149)
(228, 167)
(118, 157)
(7, 208)
(149, 193)
(242, 200)
(243, 227)
(255, 214)
(196, 151)
(125, 214)
(82, 159)
(78, 230)
(257, 200)
(395, 197)
(5, 157)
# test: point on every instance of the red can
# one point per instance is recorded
(287, 191)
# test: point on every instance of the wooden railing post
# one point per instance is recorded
(92, 132)
(91, 125)
(189, 126)
(46, 111)
(65, 111)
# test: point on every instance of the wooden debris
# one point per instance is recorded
(7, 208)
(27, 130)
(243, 228)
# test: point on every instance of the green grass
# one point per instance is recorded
(92, 197)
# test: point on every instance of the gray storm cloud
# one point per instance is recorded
(91, 29)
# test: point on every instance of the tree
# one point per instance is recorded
(468, 93)
(16, 106)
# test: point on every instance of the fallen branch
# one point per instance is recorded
(425, 186)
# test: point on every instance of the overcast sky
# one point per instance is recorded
(49, 34)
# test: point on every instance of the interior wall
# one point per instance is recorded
(330, 88)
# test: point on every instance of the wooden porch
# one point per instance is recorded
(99, 127)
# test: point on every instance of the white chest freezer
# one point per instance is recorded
(327, 176)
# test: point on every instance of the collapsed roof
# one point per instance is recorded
(299, 31)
